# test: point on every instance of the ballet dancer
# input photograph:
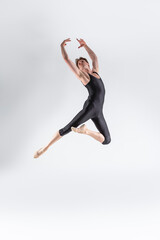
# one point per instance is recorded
(93, 106)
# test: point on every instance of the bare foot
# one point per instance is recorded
(40, 152)
(82, 129)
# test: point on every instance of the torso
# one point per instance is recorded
(86, 78)
(95, 87)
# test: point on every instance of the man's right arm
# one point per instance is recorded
(64, 53)
(71, 64)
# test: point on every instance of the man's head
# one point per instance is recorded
(82, 63)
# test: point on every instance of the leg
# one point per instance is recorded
(96, 135)
(84, 115)
(84, 130)
(101, 125)
(55, 138)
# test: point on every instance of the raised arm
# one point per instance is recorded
(91, 54)
(93, 58)
(71, 64)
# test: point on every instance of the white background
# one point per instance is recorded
(79, 188)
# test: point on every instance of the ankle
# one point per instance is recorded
(87, 131)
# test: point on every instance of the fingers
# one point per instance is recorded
(79, 39)
(64, 42)
(67, 40)
(81, 42)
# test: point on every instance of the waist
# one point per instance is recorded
(96, 100)
(96, 96)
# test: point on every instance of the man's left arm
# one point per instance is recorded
(90, 52)
(93, 57)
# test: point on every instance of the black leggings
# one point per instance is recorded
(89, 112)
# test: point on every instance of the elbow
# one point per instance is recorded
(66, 59)
(95, 56)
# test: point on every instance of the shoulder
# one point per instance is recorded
(84, 77)
(95, 70)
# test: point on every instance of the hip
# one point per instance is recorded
(94, 104)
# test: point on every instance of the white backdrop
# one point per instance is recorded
(79, 188)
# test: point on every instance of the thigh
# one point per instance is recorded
(87, 103)
(101, 125)
(81, 117)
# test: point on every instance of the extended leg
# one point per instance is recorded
(55, 138)
(84, 115)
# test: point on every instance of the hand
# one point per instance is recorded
(64, 42)
(82, 42)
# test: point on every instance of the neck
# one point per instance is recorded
(86, 70)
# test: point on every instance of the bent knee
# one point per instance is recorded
(64, 131)
(106, 141)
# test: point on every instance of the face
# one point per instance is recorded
(82, 64)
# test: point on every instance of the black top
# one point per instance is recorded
(96, 89)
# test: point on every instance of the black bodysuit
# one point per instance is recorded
(92, 109)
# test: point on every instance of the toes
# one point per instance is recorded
(73, 129)
(36, 155)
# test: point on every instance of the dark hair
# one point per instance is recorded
(77, 59)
